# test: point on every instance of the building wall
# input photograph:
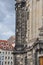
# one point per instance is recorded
(34, 22)
(6, 57)
(30, 58)
(35, 18)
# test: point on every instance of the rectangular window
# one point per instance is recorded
(0, 51)
(11, 63)
(8, 52)
(2, 63)
(8, 62)
(3, 52)
(5, 62)
(11, 57)
(5, 57)
(2, 57)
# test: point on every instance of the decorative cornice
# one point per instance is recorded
(21, 4)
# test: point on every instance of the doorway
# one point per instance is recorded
(41, 60)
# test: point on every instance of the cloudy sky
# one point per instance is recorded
(7, 19)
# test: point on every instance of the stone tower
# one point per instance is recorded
(21, 22)
(21, 30)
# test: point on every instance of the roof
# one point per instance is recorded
(5, 46)
(3, 41)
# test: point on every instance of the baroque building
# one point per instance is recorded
(6, 56)
(35, 19)
(29, 20)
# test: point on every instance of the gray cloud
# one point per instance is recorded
(7, 18)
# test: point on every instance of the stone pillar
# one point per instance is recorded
(21, 29)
